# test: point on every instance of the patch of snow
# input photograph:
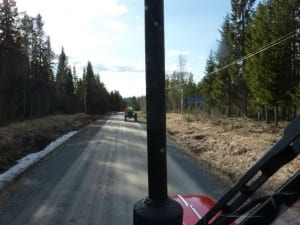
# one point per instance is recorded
(32, 158)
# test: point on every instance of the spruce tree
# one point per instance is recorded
(61, 81)
(241, 17)
(258, 75)
(207, 85)
(224, 56)
(90, 89)
(42, 71)
(10, 60)
(26, 28)
(271, 72)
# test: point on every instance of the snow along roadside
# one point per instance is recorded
(27, 161)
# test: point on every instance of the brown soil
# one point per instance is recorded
(228, 146)
(19, 139)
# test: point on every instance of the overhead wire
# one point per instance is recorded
(270, 45)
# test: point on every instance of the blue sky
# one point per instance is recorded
(110, 34)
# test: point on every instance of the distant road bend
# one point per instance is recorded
(96, 177)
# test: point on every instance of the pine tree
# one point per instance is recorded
(27, 84)
(294, 15)
(80, 95)
(69, 100)
(48, 57)
(190, 89)
(75, 79)
(271, 73)
(224, 57)
(10, 59)
(258, 75)
(26, 28)
(43, 71)
(90, 89)
(207, 84)
(96, 96)
(241, 17)
(115, 101)
(61, 81)
(102, 97)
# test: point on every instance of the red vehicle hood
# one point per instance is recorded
(194, 207)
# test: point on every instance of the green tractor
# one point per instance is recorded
(130, 113)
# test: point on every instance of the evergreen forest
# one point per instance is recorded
(29, 87)
(255, 70)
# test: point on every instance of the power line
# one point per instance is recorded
(270, 45)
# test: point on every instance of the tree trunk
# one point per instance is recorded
(181, 101)
(228, 110)
(246, 105)
(24, 97)
(267, 115)
(294, 111)
(1, 108)
(276, 115)
(85, 104)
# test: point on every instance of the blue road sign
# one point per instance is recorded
(195, 100)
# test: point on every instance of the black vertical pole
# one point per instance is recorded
(155, 96)
(157, 208)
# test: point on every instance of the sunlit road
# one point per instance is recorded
(95, 178)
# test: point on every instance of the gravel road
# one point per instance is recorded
(96, 177)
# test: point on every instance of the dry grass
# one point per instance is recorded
(19, 139)
(228, 146)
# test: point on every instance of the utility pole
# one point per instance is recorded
(157, 208)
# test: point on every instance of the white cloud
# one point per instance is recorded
(117, 25)
(87, 31)
(73, 23)
(119, 65)
(87, 8)
(177, 53)
(129, 84)
(202, 57)
(83, 28)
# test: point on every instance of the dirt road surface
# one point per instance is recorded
(96, 177)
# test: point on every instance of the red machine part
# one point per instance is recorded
(194, 207)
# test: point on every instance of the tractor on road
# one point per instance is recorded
(130, 113)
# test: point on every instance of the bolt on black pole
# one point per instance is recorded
(157, 208)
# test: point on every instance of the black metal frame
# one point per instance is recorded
(237, 201)
(275, 204)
